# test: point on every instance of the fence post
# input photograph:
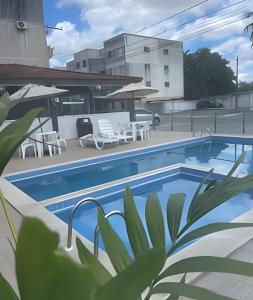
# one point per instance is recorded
(215, 122)
(153, 123)
(243, 122)
(191, 122)
(171, 121)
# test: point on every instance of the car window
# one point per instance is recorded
(142, 111)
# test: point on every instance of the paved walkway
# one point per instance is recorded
(75, 152)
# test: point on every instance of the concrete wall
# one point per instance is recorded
(27, 46)
(67, 124)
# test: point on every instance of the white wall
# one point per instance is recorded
(179, 105)
(46, 127)
(67, 124)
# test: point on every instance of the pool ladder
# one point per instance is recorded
(96, 232)
(202, 132)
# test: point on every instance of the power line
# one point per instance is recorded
(170, 17)
(183, 24)
(186, 38)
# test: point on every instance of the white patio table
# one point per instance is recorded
(135, 125)
(40, 138)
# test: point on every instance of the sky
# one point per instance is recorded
(87, 23)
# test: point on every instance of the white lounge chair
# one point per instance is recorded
(106, 130)
(98, 141)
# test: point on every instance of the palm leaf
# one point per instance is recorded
(208, 264)
(90, 261)
(175, 208)
(135, 229)
(235, 166)
(194, 203)
(6, 291)
(46, 272)
(5, 106)
(186, 290)
(155, 222)
(205, 230)
(14, 134)
(115, 248)
(131, 282)
(220, 193)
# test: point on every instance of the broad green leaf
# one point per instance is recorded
(5, 105)
(45, 272)
(131, 282)
(205, 230)
(208, 264)
(176, 297)
(186, 290)
(135, 229)
(90, 261)
(193, 204)
(175, 208)
(115, 248)
(220, 193)
(235, 166)
(155, 222)
(14, 134)
(6, 291)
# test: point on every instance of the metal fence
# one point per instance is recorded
(228, 121)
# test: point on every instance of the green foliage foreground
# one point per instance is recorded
(46, 272)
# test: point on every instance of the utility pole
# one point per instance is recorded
(237, 82)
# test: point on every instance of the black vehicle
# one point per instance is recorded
(202, 104)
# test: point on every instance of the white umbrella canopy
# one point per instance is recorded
(34, 91)
(133, 90)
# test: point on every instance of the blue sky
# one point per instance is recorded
(86, 23)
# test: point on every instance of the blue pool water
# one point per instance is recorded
(219, 153)
(85, 220)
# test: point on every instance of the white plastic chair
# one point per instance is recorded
(27, 144)
(107, 130)
(62, 140)
(52, 143)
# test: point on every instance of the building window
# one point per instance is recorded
(148, 83)
(166, 51)
(167, 84)
(116, 52)
(166, 69)
(78, 65)
(146, 49)
(84, 64)
(147, 67)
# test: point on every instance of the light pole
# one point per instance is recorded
(237, 82)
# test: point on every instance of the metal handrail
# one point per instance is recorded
(96, 232)
(207, 130)
(71, 217)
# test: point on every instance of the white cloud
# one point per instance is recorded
(104, 17)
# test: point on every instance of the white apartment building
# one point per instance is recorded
(88, 61)
(158, 61)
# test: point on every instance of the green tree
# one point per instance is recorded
(207, 74)
(245, 86)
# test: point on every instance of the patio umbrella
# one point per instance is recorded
(34, 91)
(131, 91)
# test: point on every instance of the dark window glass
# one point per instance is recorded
(146, 49)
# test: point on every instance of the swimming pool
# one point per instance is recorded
(163, 183)
(215, 151)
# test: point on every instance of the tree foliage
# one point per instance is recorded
(207, 74)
